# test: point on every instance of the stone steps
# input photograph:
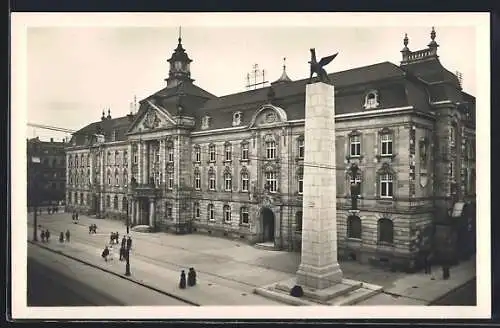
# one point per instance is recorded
(265, 246)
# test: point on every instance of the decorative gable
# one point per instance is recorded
(268, 115)
(152, 118)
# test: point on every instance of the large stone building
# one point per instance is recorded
(189, 161)
(46, 179)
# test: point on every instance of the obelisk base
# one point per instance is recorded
(319, 278)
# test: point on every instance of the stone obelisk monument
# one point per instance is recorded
(319, 267)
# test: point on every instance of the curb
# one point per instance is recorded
(431, 303)
(116, 274)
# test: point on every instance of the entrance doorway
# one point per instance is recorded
(144, 211)
(95, 204)
(267, 225)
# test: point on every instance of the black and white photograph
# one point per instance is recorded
(250, 165)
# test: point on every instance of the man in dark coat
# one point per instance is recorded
(42, 236)
(191, 277)
(129, 243)
(47, 235)
(124, 242)
(61, 237)
(67, 235)
(182, 283)
(105, 253)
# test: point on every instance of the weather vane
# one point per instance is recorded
(317, 67)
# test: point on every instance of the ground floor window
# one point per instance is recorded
(227, 213)
(385, 231)
(244, 217)
(354, 227)
(196, 210)
(211, 213)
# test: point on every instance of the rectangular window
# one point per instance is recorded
(211, 182)
(356, 180)
(197, 182)
(196, 211)
(227, 182)
(300, 185)
(170, 152)
(271, 181)
(211, 151)
(271, 150)
(227, 152)
(227, 213)
(211, 213)
(244, 152)
(135, 158)
(170, 181)
(386, 186)
(355, 146)
(125, 158)
(244, 215)
(386, 140)
(452, 136)
(197, 154)
(244, 182)
(301, 148)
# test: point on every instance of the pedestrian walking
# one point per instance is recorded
(42, 236)
(117, 238)
(182, 282)
(191, 277)
(124, 242)
(129, 243)
(122, 252)
(111, 237)
(47, 235)
(61, 237)
(76, 216)
(73, 217)
(67, 235)
(90, 229)
(105, 253)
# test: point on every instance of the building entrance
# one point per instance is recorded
(267, 225)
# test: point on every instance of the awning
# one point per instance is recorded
(458, 209)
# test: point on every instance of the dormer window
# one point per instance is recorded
(237, 118)
(371, 100)
(205, 122)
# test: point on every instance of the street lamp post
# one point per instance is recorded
(34, 194)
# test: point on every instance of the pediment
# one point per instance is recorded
(268, 115)
(151, 119)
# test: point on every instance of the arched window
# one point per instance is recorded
(170, 152)
(298, 221)
(244, 151)
(386, 177)
(196, 210)
(245, 180)
(115, 202)
(117, 178)
(211, 212)
(211, 179)
(371, 100)
(124, 204)
(117, 158)
(354, 227)
(244, 217)
(197, 179)
(227, 213)
(227, 181)
(108, 201)
(125, 158)
(385, 231)
(109, 178)
(88, 176)
(75, 197)
(170, 180)
(81, 199)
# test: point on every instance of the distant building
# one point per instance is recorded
(50, 167)
(232, 166)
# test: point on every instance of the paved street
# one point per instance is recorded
(55, 280)
(240, 266)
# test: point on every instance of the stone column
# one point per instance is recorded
(319, 268)
(146, 162)
(151, 212)
(139, 162)
(132, 212)
(137, 211)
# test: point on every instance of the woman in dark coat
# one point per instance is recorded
(67, 235)
(191, 277)
(105, 253)
(182, 283)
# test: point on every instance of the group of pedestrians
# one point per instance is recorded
(45, 235)
(93, 228)
(191, 278)
(126, 245)
(52, 210)
(61, 237)
(114, 238)
(74, 217)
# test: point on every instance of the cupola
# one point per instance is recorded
(284, 77)
(179, 66)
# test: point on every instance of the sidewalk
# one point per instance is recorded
(241, 267)
(206, 292)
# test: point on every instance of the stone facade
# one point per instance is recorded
(233, 166)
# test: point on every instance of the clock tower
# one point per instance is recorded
(179, 66)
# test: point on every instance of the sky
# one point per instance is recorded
(74, 72)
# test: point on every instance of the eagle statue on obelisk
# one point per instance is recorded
(317, 67)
